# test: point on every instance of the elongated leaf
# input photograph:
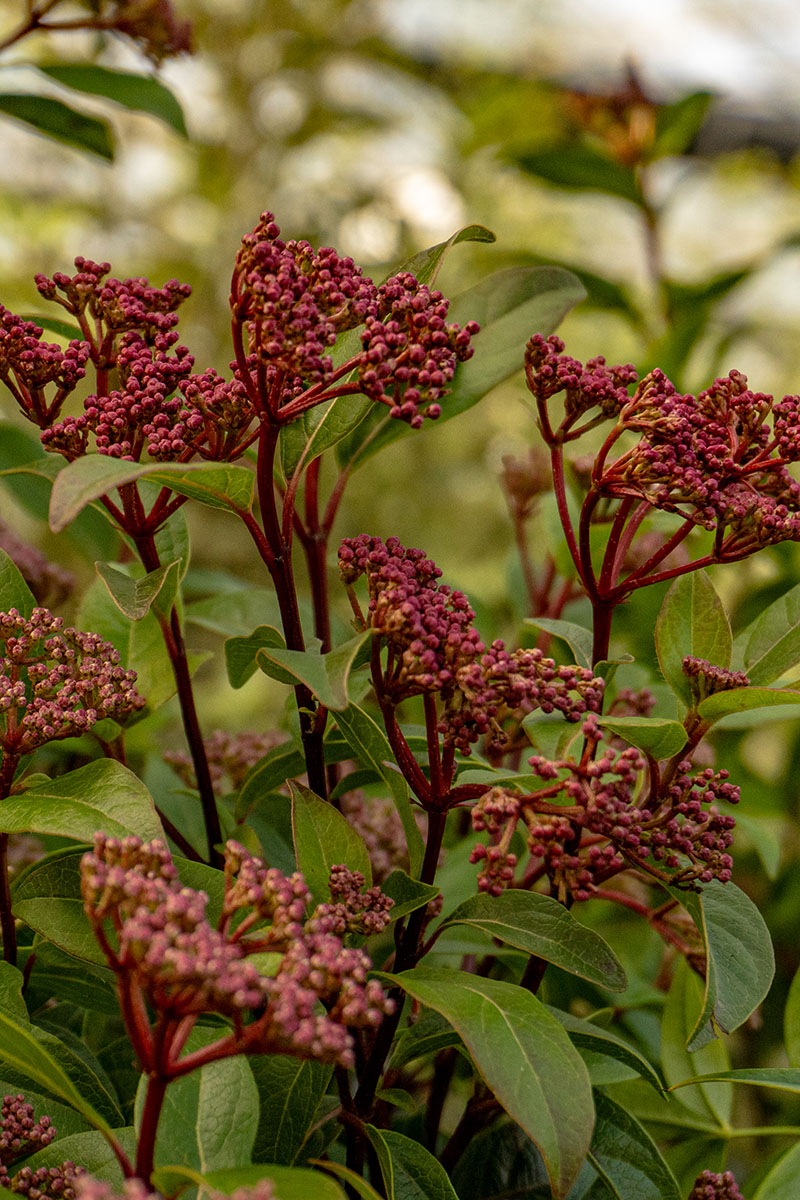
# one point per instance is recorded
(693, 622)
(282, 763)
(744, 700)
(791, 1022)
(320, 428)
(525, 1057)
(740, 958)
(577, 638)
(678, 124)
(780, 1182)
(135, 597)
(787, 1079)
(14, 591)
(325, 674)
(772, 641)
(57, 120)
(713, 1101)
(597, 1040)
(426, 265)
(509, 305)
(90, 1150)
(370, 746)
(210, 1116)
(64, 329)
(408, 894)
(654, 735)
(359, 1185)
(323, 838)
(410, 1172)
(235, 614)
(627, 1158)
(540, 925)
(141, 93)
(240, 653)
(103, 795)
(290, 1091)
(291, 1183)
(84, 480)
(23, 1050)
(579, 167)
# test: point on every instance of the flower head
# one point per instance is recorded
(711, 1185)
(39, 375)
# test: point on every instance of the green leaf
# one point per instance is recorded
(408, 894)
(240, 652)
(33, 1054)
(693, 622)
(585, 1035)
(57, 120)
(787, 1079)
(772, 640)
(141, 93)
(324, 838)
(359, 1185)
(14, 591)
(135, 597)
(578, 167)
(210, 1116)
(90, 1150)
(325, 674)
(426, 265)
(678, 124)
(743, 700)
(712, 1102)
(320, 428)
(791, 1022)
(540, 925)
(64, 329)
(627, 1158)
(103, 795)
(655, 735)
(740, 958)
(410, 1172)
(291, 1183)
(58, 975)
(525, 1057)
(290, 1091)
(509, 305)
(780, 1183)
(88, 478)
(235, 614)
(371, 747)
(429, 1034)
(576, 637)
(282, 763)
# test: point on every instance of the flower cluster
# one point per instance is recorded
(114, 305)
(435, 648)
(48, 581)
(46, 1183)
(22, 1135)
(353, 910)
(613, 816)
(410, 352)
(595, 385)
(230, 756)
(184, 966)
(712, 1185)
(39, 375)
(89, 1188)
(705, 679)
(55, 682)
(378, 824)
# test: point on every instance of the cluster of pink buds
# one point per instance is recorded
(57, 683)
(170, 954)
(230, 757)
(591, 819)
(595, 385)
(713, 1185)
(21, 1135)
(89, 1188)
(112, 305)
(433, 647)
(39, 375)
(353, 910)
(705, 679)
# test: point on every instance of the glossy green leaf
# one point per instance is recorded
(429, 1034)
(772, 641)
(324, 838)
(103, 795)
(678, 124)
(235, 614)
(371, 747)
(787, 1079)
(64, 329)
(86, 479)
(282, 763)
(791, 1022)
(34, 1055)
(711, 1102)
(140, 93)
(270, 819)
(320, 428)
(655, 735)
(14, 591)
(525, 1057)
(291, 1183)
(595, 1039)
(57, 120)
(240, 653)
(210, 1116)
(693, 622)
(58, 975)
(91, 1151)
(627, 1158)
(744, 700)
(576, 637)
(426, 265)
(11, 1001)
(540, 925)
(781, 1181)
(359, 1185)
(410, 1172)
(578, 167)
(290, 1090)
(740, 958)
(509, 305)
(408, 894)
(325, 674)
(135, 597)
